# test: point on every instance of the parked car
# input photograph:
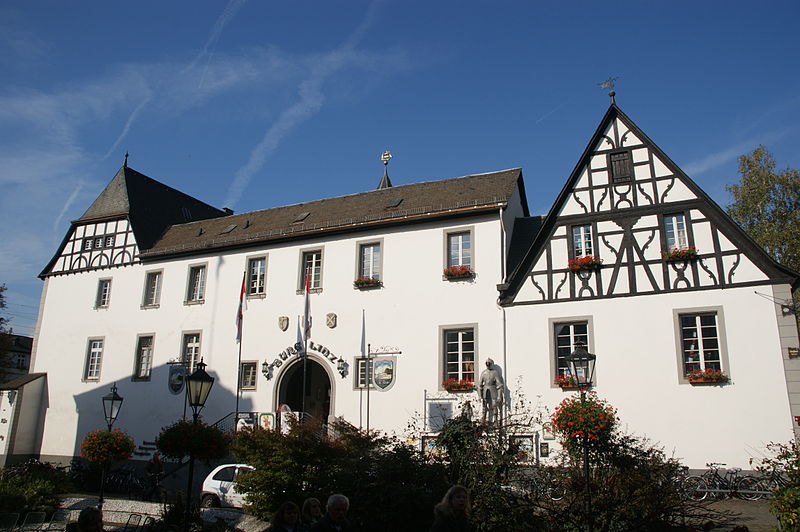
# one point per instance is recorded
(219, 487)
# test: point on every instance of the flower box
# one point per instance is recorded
(566, 382)
(455, 385)
(707, 376)
(675, 254)
(367, 282)
(458, 272)
(585, 263)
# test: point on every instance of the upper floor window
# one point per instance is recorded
(311, 265)
(459, 249)
(369, 260)
(675, 231)
(103, 293)
(249, 373)
(582, 241)
(700, 342)
(459, 354)
(94, 360)
(197, 284)
(191, 351)
(256, 276)
(144, 358)
(152, 289)
(621, 168)
(98, 242)
(566, 336)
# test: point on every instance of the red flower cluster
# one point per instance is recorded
(458, 271)
(680, 253)
(107, 446)
(364, 282)
(565, 381)
(707, 375)
(455, 385)
(592, 417)
(585, 263)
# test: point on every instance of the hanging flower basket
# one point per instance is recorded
(455, 385)
(566, 382)
(707, 376)
(585, 263)
(592, 418)
(103, 446)
(367, 282)
(458, 272)
(183, 438)
(675, 254)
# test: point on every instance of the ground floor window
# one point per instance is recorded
(94, 360)
(459, 354)
(249, 372)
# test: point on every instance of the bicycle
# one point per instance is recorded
(125, 480)
(698, 487)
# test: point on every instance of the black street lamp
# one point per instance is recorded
(581, 364)
(198, 386)
(112, 402)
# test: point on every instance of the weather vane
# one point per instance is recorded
(386, 157)
(385, 181)
(609, 84)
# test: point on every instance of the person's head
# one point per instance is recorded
(456, 500)
(489, 363)
(312, 510)
(337, 508)
(288, 514)
(90, 520)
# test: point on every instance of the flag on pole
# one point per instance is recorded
(307, 307)
(242, 308)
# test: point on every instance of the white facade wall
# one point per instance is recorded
(638, 370)
(406, 313)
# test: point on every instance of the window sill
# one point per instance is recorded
(248, 389)
(370, 286)
(148, 307)
(459, 389)
(700, 382)
(140, 379)
(195, 302)
(459, 277)
(300, 292)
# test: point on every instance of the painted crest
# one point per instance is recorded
(331, 320)
(283, 322)
(383, 372)
(176, 378)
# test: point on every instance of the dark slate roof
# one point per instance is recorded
(19, 382)
(524, 232)
(399, 204)
(150, 206)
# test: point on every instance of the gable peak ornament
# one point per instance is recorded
(609, 84)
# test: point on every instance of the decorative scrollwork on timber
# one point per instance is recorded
(666, 190)
(579, 202)
(733, 268)
(645, 194)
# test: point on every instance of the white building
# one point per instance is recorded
(148, 278)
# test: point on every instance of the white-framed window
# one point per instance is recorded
(94, 360)
(196, 289)
(675, 232)
(582, 241)
(700, 342)
(249, 373)
(109, 241)
(459, 354)
(103, 293)
(311, 261)
(144, 358)
(152, 289)
(459, 249)
(256, 276)
(369, 260)
(363, 373)
(566, 336)
(190, 352)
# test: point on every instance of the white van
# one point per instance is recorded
(219, 487)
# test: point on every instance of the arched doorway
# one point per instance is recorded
(318, 389)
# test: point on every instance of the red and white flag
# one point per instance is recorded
(307, 307)
(242, 308)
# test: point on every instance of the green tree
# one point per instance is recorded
(766, 204)
(5, 337)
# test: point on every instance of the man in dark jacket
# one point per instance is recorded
(335, 518)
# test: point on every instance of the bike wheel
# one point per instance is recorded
(557, 491)
(748, 488)
(695, 488)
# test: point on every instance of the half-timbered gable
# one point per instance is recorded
(630, 222)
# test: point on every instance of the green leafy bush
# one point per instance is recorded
(786, 504)
(29, 493)
(183, 438)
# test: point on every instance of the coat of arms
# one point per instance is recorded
(330, 320)
(176, 378)
(383, 369)
(283, 322)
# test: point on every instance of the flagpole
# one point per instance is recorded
(306, 331)
(240, 327)
(238, 384)
(369, 380)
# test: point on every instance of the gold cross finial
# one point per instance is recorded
(386, 157)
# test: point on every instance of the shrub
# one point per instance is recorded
(786, 505)
(33, 486)
(183, 438)
(101, 446)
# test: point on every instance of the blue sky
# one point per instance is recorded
(254, 104)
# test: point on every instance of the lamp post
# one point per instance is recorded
(581, 364)
(112, 402)
(198, 385)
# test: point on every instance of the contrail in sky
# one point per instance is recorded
(128, 124)
(67, 204)
(311, 100)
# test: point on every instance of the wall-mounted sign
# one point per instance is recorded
(383, 372)
(176, 377)
(297, 350)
